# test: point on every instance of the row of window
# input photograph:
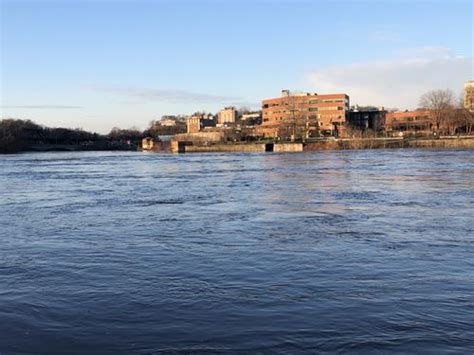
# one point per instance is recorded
(405, 119)
(303, 109)
(310, 117)
(306, 102)
(331, 108)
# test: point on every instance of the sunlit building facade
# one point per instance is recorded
(469, 96)
(304, 115)
(227, 116)
(415, 121)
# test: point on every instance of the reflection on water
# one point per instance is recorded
(358, 251)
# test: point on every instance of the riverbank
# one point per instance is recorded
(452, 142)
(397, 143)
(447, 142)
(32, 148)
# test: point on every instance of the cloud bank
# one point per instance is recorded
(395, 83)
(61, 107)
(164, 95)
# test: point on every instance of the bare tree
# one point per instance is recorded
(458, 119)
(301, 123)
(440, 103)
(292, 109)
(464, 120)
(464, 117)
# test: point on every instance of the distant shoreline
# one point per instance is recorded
(451, 142)
(444, 142)
(44, 148)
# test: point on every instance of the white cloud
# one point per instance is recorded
(43, 106)
(395, 83)
(163, 95)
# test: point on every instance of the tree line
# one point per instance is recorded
(448, 116)
(18, 135)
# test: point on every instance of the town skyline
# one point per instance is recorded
(79, 65)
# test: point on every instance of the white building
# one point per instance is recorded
(469, 96)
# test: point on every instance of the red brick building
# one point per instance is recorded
(193, 124)
(304, 115)
(413, 121)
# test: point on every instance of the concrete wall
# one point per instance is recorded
(341, 144)
(362, 143)
(201, 137)
(288, 147)
(383, 143)
(161, 146)
(442, 143)
(225, 148)
(244, 147)
(178, 147)
(370, 143)
(322, 145)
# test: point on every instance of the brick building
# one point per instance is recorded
(415, 121)
(304, 115)
(198, 122)
(193, 124)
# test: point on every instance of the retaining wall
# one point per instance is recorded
(225, 148)
(288, 147)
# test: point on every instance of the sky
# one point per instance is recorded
(102, 64)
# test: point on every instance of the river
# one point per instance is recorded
(341, 251)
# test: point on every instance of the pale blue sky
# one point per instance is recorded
(99, 64)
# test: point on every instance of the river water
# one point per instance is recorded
(135, 253)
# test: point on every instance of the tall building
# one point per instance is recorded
(366, 119)
(227, 115)
(304, 115)
(469, 96)
(193, 123)
(199, 121)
